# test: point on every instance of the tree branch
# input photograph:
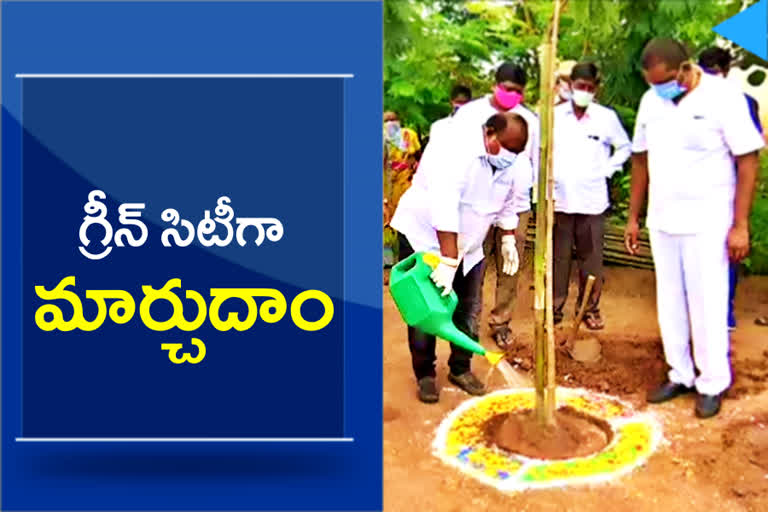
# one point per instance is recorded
(527, 15)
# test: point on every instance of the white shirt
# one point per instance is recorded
(456, 190)
(582, 157)
(476, 113)
(439, 126)
(690, 154)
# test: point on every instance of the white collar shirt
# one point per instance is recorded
(582, 158)
(456, 190)
(476, 113)
(690, 148)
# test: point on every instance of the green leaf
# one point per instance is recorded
(403, 89)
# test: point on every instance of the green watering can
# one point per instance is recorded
(423, 306)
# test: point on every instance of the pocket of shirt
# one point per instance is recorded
(501, 190)
(701, 133)
(595, 147)
(596, 140)
(491, 203)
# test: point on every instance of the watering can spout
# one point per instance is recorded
(450, 333)
(423, 306)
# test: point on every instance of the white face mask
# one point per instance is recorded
(582, 98)
(392, 127)
(503, 159)
(564, 91)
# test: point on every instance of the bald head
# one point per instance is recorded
(509, 129)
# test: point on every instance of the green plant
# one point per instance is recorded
(430, 45)
(757, 261)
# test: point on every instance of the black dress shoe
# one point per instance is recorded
(468, 382)
(667, 391)
(708, 405)
(428, 392)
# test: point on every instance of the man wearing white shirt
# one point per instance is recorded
(584, 135)
(463, 186)
(690, 127)
(717, 61)
(460, 95)
(507, 97)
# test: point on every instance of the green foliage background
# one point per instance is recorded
(430, 45)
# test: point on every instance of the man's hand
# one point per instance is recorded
(510, 255)
(747, 167)
(637, 192)
(738, 242)
(444, 274)
(631, 233)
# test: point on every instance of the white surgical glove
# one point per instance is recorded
(444, 273)
(509, 253)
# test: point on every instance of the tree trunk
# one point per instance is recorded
(544, 345)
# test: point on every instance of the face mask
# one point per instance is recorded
(669, 90)
(582, 98)
(394, 135)
(392, 128)
(507, 99)
(392, 132)
(564, 91)
(503, 159)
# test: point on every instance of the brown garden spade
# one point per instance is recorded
(585, 350)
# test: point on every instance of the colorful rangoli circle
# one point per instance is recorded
(460, 442)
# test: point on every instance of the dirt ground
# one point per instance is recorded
(720, 464)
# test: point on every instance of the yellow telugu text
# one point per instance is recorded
(49, 317)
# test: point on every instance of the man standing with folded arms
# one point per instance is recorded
(690, 127)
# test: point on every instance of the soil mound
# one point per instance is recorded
(574, 434)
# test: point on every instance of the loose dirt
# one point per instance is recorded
(573, 434)
(703, 465)
(632, 366)
(750, 376)
(746, 441)
(585, 350)
(629, 367)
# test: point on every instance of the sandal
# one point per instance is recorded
(502, 336)
(762, 320)
(593, 321)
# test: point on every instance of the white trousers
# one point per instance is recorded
(692, 303)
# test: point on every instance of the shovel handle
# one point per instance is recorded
(583, 307)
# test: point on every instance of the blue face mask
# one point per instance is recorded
(669, 90)
(503, 160)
